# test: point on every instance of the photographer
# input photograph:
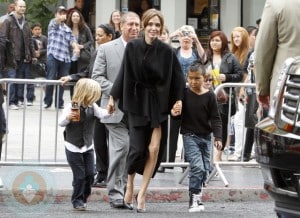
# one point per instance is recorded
(60, 39)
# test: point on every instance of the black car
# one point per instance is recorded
(277, 140)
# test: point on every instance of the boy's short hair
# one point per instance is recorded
(36, 25)
(197, 66)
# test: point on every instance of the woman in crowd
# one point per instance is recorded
(225, 68)
(240, 48)
(250, 96)
(115, 20)
(240, 43)
(104, 33)
(84, 38)
(85, 42)
(150, 74)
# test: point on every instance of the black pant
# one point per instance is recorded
(173, 140)
(101, 149)
(248, 142)
(82, 165)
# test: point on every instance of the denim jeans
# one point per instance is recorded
(82, 165)
(197, 152)
(55, 70)
(16, 92)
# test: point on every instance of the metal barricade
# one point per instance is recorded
(33, 134)
(36, 140)
(217, 169)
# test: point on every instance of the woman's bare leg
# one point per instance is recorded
(128, 197)
(149, 166)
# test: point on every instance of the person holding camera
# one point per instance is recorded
(190, 49)
(60, 39)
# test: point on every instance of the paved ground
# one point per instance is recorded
(42, 141)
(249, 209)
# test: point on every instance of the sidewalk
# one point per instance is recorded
(244, 183)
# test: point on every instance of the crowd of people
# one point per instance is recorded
(142, 81)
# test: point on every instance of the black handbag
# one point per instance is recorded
(85, 55)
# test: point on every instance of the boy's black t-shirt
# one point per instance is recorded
(200, 114)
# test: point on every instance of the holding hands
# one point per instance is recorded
(111, 105)
(177, 108)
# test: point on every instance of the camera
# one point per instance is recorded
(185, 33)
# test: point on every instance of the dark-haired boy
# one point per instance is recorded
(200, 117)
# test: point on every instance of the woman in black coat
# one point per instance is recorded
(149, 84)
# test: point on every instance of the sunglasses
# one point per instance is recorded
(208, 80)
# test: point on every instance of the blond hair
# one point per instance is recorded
(86, 92)
(241, 52)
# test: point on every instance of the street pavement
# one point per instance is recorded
(42, 185)
(248, 209)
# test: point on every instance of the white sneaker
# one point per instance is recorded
(29, 103)
(13, 107)
(20, 103)
(195, 203)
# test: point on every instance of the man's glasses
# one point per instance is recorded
(208, 80)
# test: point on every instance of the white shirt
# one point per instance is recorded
(63, 121)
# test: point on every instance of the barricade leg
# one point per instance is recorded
(218, 170)
(185, 174)
(1, 183)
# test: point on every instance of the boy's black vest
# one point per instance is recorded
(81, 133)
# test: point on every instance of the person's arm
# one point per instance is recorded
(200, 49)
(177, 82)
(266, 45)
(31, 46)
(75, 47)
(216, 121)
(43, 51)
(100, 71)
(2, 48)
(90, 40)
(65, 118)
(75, 77)
(100, 112)
(235, 74)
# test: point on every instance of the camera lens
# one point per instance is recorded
(186, 33)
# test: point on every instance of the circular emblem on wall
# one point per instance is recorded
(28, 189)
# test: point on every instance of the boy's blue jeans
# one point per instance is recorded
(197, 152)
(82, 165)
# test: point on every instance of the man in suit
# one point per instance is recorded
(277, 39)
(106, 68)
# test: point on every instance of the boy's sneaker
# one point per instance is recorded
(195, 204)
(29, 103)
(13, 107)
(80, 207)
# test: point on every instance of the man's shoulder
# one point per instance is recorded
(111, 44)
